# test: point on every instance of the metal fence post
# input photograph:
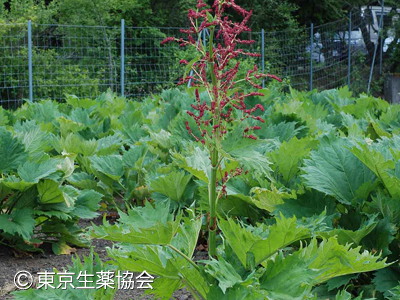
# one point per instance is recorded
(122, 57)
(375, 49)
(30, 70)
(381, 38)
(311, 53)
(349, 53)
(263, 55)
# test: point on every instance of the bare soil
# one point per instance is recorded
(11, 262)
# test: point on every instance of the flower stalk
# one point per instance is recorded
(212, 197)
(215, 71)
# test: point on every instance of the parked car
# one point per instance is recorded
(372, 15)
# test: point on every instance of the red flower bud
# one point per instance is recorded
(167, 40)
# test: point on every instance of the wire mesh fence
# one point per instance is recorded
(13, 63)
(49, 61)
(79, 60)
(150, 67)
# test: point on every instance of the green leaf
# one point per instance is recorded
(283, 131)
(108, 145)
(310, 204)
(224, 272)
(333, 170)
(141, 225)
(245, 152)
(340, 281)
(163, 287)
(110, 165)
(32, 172)
(385, 280)
(50, 192)
(338, 260)
(12, 152)
(67, 126)
(20, 222)
(381, 167)
(35, 140)
(240, 239)
(172, 185)
(394, 293)
(389, 207)
(161, 139)
(381, 237)
(155, 241)
(62, 248)
(198, 164)
(87, 204)
(3, 117)
(280, 235)
(237, 201)
(345, 236)
(313, 265)
(240, 292)
(74, 101)
(269, 199)
(187, 235)
(364, 106)
(132, 131)
(288, 277)
(287, 158)
(16, 183)
(82, 180)
(73, 143)
(45, 111)
(162, 262)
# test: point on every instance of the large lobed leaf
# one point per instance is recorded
(172, 185)
(332, 169)
(385, 169)
(287, 158)
(12, 152)
(252, 249)
(295, 274)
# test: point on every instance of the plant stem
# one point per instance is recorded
(184, 256)
(212, 198)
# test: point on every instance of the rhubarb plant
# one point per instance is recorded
(220, 97)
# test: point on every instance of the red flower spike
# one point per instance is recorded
(167, 40)
(217, 68)
(200, 4)
(260, 119)
(260, 107)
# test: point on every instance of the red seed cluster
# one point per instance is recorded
(216, 72)
(226, 177)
